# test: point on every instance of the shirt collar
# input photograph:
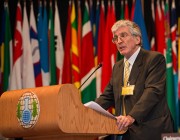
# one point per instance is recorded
(133, 57)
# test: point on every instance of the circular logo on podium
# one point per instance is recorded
(28, 110)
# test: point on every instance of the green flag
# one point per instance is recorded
(87, 60)
(169, 68)
(7, 50)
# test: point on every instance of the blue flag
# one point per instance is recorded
(43, 44)
(139, 19)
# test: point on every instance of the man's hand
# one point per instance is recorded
(124, 121)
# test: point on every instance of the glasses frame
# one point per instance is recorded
(122, 36)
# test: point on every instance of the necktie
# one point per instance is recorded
(126, 78)
(126, 72)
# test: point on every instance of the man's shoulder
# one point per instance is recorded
(152, 54)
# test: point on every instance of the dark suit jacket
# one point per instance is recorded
(148, 105)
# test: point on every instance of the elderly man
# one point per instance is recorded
(137, 87)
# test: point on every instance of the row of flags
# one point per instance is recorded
(36, 55)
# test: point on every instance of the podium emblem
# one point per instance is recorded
(28, 110)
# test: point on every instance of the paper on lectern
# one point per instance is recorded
(93, 105)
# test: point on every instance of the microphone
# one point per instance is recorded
(100, 65)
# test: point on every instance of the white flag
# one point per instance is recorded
(28, 70)
(58, 45)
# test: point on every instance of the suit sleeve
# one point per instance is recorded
(106, 100)
(153, 94)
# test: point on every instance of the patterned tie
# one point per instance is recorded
(126, 72)
(126, 78)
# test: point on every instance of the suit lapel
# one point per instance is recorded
(136, 68)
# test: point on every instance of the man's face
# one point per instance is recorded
(126, 43)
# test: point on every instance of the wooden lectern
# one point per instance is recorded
(61, 116)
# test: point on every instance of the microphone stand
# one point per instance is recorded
(100, 65)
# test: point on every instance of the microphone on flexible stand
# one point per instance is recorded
(100, 65)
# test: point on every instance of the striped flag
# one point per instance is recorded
(35, 49)
(88, 90)
(139, 19)
(169, 68)
(58, 45)
(79, 31)
(74, 48)
(174, 59)
(16, 75)
(179, 67)
(51, 43)
(67, 69)
(28, 78)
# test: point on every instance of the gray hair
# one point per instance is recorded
(133, 28)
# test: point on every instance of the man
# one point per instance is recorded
(137, 90)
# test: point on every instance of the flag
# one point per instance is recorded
(67, 69)
(92, 18)
(88, 90)
(74, 48)
(152, 29)
(132, 10)
(58, 45)
(179, 66)
(28, 78)
(174, 59)
(79, 31)
(113, 46)
(122, 10)
(169, 68)
(139, 19)
(98, 77)
(119, 56)
(2, 32)
(97, 19)
(35, 49)
(108, 53)
(100, 42)
(160, 29)
(126, 13)
(16, 75)
(52, 59)
(43, 43)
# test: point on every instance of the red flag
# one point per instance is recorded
(16, 77)
(107, 48)
(101, 35)
(67, 69)
(74, 48)
(132, 10)
(79, 33)
(160, 29)
(126, 13)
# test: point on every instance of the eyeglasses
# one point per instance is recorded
(121, 36)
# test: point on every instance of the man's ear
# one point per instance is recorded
(138, 40)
